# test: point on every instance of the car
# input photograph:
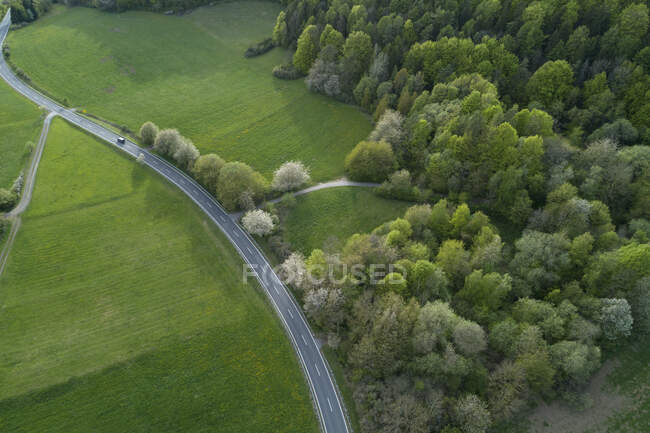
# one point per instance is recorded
(120, 140)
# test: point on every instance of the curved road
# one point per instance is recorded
(329, 407)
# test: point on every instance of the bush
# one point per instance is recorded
(257, 222)
(238, 184)
(370, 161)
(4, 226)
(206, 170)
(29, 148)
(23, 76)
(7, 199)
(260, 48)
(148, 133)
(291, 175)
(186, 154)
(286, 72)
(167, 141)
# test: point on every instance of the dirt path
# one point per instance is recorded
(26, 196)
(325, 185)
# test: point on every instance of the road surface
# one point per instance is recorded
(328, 404)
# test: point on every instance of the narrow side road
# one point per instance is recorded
(325, 394)
(26, 196)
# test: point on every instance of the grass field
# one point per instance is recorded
(123, 310)
(189, 73)
(337, 213)
(19, 123)
(631, 377)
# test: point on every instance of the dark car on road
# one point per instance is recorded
(120, 140)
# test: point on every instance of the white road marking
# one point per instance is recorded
(235, 233)
(330, 404)
(278, 292)
(303, 338)
(249, 250)
(317, 370)
(290, 313)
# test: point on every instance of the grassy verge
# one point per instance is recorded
(20, 122)
(123, 310)
(346, 390)
(190, 73)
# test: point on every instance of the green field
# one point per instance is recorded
(189, 72)
(632, 378)
(19, 123)
(123, 310)
(335, 214)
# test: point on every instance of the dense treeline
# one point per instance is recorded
(24, 11)
(537, 113)
(444, 327)
(585, 62)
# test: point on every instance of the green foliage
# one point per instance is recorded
(206, 170)
(551, 84)
(238, 183)
(307, 50)
(370, 161)
(148, 133)
(483, 295)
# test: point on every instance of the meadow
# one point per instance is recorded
(20, 123)
(123, 310)
(330, 216)
(189, 73)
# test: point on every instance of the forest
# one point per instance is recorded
(521, 130)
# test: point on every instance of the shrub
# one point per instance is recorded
(4, 226)
(148, 133)
(286, 72)
(167, 141)
(260, 48)
(7, 199)
(616, 318)
(186, 154)
(257, 222)
(206, 170)
(237, 180)
(291, 175)
(370, 161)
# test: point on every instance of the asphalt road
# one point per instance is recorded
(324, 392)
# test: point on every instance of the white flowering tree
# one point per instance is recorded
(616, 318)
(291, 175)
(258, 222)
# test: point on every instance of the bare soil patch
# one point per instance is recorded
(559, 417)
